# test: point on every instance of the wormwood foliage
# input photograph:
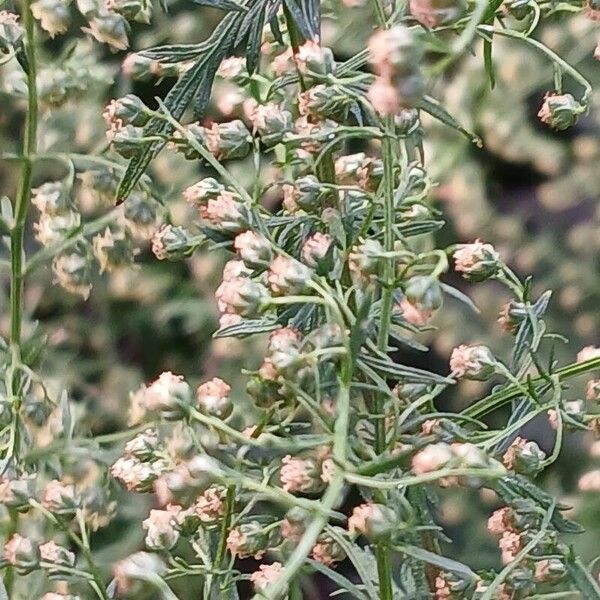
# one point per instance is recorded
(333, 464)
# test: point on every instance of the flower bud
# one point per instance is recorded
(560, 111)
(143, 446)
(288, 276)
(132, 572)
(129, 110)
(209, 505)
(213, 398)
(313, 59)
(73, 270)
(11, 32)
(364, 260)
(407, 393)
(202, 191)
(54, 228)
(126, 141)
(592, 390)
(306, 193)
(374, 521)
(476, 261)
(324, 101)
(432, 458)
(60, 498)
(136, 475)
(295, 523)
(241, 296)
(16, 493)
(433, 13)
(511, 316)
(394, 51)
(550, 570)
(51, 552)
(315, 250)
(113, 249)
(54, 15)
(109, 28)
(141, 68)
(254, 249)
(22, 553)
(271, 122)
(132, 10)
(472, 362)
(139, 214)
(312, 135)
(359, 169)
(300, 475)
(226, 213)
(424, 292)
(168, 395)
(327, 551)
(450, 586)
(523, 457)
(265, 576)
(162, 529)
(248, 539)
(99, 187)
(172, 242)
(52, 198)
(228, 140)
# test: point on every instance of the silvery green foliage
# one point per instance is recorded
(330, 453)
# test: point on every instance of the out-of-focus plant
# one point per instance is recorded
(314, 179)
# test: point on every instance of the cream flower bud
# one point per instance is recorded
(271, 122)
(128, 110)
(60, 498)
(592, 390)
(312, 58)
(109, 28)
(433, 13)
(140, 215)
(372, 520)
(241, 296)
(226, 212)
(54, 228)
(288, 276)
(113, 249)
(126, 141)
(73, 270)
(162, 530)
(364, 260)
(300, 475)
(524, 457)
(315, 249)
(306, 194)
(172, 242)
(472, 362)
(202, 191)
(131, 572)
(143, 446)
(168, 395)
(476, 261)
(54, 15)
(254, 249)
(22, 553)
(136, 475)
(213, 398)
(327, 551)
(142, 68)
(248, 539)
(228, 140)
(432, 458)
(560, 111)
(11, 31)
(52, 197)
(266, 575)
(57, 555)
(395, 50)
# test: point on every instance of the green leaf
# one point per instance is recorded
(338, 578)
(246, 328)
(456, 293)
(446, 564)
(437, 111)
(404, 372)
(227, 5)
(582, 578)
(489, 62)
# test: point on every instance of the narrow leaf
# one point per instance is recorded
(437, 111)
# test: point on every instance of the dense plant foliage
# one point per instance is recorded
(296, 161)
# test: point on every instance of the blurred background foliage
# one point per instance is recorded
(530, 191)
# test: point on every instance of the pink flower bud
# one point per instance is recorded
(213, 398)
